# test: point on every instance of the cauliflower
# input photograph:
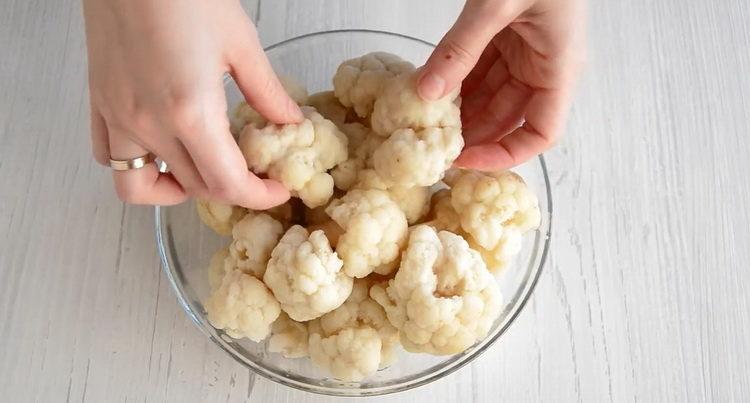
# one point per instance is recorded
(503, 253)
(442, 299)
(244, 114)
(413, 201)
(289, 338)
(254, 238)
(361, 311)
(222, 217)
(219, 217)
(374, 231)
(220, 264)
(242, 306)
(332, 231)
(418, 158)
(305, 275)
(492, 203)
(362, 145)
(442, 216)
(298, 155)
(350, 355)
(328, 106)
(359, 81)
(399, 107)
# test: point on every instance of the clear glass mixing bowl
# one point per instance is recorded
(185, 245)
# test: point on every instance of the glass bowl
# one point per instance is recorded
(186, 246)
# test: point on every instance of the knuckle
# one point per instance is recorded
(270, 86)
(491, 9)
(223, 190)
(185, 115)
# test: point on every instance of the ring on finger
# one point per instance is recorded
(132, 163)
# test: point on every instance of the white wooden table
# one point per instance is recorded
(644, 296)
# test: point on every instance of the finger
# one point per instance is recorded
(144, 185)
(259, 83)
(172, 151)
(545, 118)
(473, 80)
(458, 52)
(99, 140)
(224, 169)
(493, 81)
(502, 114)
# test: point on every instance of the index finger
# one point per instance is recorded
(223, 168)
(545, 117)
(258, 82)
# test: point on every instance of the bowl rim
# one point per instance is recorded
(175, 280)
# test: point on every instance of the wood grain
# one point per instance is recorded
(642, 299)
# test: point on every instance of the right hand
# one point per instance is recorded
(518, 61)
(155, 78)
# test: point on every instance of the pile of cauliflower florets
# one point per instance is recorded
(383, 243)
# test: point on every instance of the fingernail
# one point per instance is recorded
(431, 87)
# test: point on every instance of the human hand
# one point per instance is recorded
(518, 60)
(155, 77)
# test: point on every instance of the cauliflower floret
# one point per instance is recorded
(443, 299)
(399, 107)
(350, 355)
(305, 275)
(443, 217)
(362, 145)
(243, 307)
(217, 268)
(413, 201)
(254, 238)
(418, 158)
(332, 231)
(298, 155)
(503, 253)
(359, 81)
(492, 203)
(219, 217)
(328, 106)
(374, 231)
(244, 114)
(288, 337)
(361, 311)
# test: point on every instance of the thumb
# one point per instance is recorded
(459, 50)
(259, 84)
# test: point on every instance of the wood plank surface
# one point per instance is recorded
(642, 298)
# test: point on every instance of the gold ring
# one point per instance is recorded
(133, 163)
